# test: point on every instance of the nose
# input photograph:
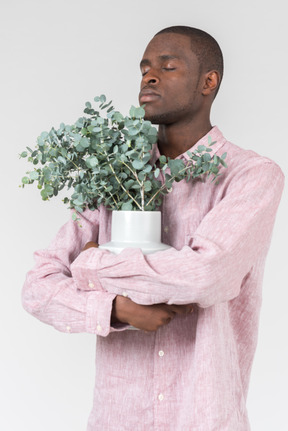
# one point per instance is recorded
(150, 78)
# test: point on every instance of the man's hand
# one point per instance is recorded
(89, 245)
(146, 317)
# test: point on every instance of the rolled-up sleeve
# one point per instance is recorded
(50, 292)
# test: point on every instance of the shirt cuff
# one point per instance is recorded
(98, 315)
(84, 271)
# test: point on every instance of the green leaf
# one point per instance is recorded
(157, 172)
(129, 184)
(142, 176)
(206, 157)
(117, 117)
(133, 131)
(176, 166)
(124, 148)
(132, 111)
(79, 148)
(24, 154)
(223, 163)
(214, 169)
(162, 159)
(147, 169)
(34, 175)
(146, 158)
(25, 180)
(84, 142)
(201, 148)
(206, 167)
(126, 206)
(49, 189)
(74, 216)
(91, 162)
(147, 186)
(137, 164)
(139, 112)
(62, 160)
(44, 195)
(44, 135)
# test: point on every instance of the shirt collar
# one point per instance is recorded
(215, 135)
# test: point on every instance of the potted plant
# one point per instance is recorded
(107, 160)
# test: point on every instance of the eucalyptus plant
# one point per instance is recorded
(106, 159)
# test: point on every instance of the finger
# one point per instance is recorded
(89, 245)
(182, 309)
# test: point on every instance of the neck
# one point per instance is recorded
(175, 139)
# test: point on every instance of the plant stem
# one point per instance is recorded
(165, 186)
(119, 182)
(141, 184)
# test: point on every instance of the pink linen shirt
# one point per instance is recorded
(192, 374)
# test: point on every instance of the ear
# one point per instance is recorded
(211, 82)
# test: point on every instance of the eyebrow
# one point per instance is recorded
(164, 57)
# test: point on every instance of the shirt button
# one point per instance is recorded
(161, 353)
(125, 294)
(68, 328)
(166, 229)
(99, 328)
(91, 284)
(160, 397)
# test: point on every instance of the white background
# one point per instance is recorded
(55, 56)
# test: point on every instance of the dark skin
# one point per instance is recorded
(178, 96)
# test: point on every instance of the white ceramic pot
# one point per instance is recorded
(135, 229)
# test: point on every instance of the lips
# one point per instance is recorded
(148, 95)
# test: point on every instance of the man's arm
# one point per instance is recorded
(221, 253)
(145, 317)
(51, 294)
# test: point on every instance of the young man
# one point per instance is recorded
(196, 304)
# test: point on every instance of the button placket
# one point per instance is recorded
(159, 376)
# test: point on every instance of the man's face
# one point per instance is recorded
(170, 86)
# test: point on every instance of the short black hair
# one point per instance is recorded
(204, 46)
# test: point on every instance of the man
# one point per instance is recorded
(196, 304)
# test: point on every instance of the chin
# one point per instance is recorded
(157, 118)
(154, 117)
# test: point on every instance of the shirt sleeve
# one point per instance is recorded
(222, 251)
(50, 292)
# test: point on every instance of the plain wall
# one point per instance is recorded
(55, 56)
